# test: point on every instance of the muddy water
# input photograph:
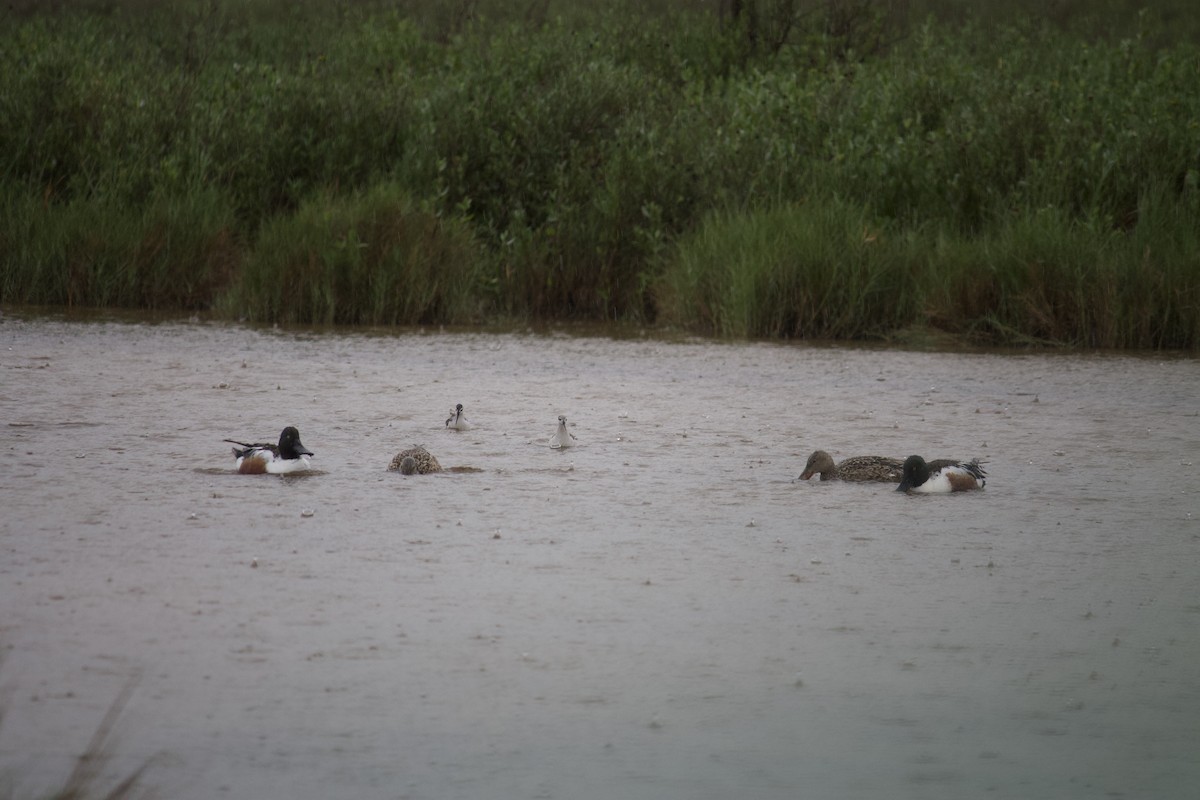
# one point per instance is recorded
(658, 612)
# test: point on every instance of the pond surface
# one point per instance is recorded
(661, 611)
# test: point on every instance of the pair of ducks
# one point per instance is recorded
(290, 455)
(914, 473)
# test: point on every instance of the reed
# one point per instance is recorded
(169, 253)
(1047, 278)
(374, 258)
(818, 269)
(831, 270)
(86, 778)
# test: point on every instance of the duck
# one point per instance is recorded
(290, 455)
(855, 468)
(457, 421)
(562, 437)
(416, 460)
(941, 476)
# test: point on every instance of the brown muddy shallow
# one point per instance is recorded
(659, 612)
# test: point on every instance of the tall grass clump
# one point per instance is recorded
(1045, 278)
(821, 270)
(373, 258)
(829, 270)
(168, 253)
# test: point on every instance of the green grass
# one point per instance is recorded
(819, 270)
(829, 271)
(167, 253)
(370, 259)
(468, 161)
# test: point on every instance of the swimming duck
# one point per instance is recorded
(562, 437)
(416, 460)
(278, 459)
(942, 475)
(855, 468)
(457, 420)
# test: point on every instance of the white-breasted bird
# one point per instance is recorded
(562, 437)
(457, 421)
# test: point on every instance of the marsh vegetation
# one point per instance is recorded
(846, 169)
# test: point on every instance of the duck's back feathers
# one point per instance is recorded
(415, 460)
(855, 468)
(870, 468)
(243, 449)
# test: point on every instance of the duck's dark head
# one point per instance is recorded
(289, 444)
(916, 472)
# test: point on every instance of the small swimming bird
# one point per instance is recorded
(855, 468)
(458, 420)
(416, 460)
(278, 459)
(942, 475)
(562, 437)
